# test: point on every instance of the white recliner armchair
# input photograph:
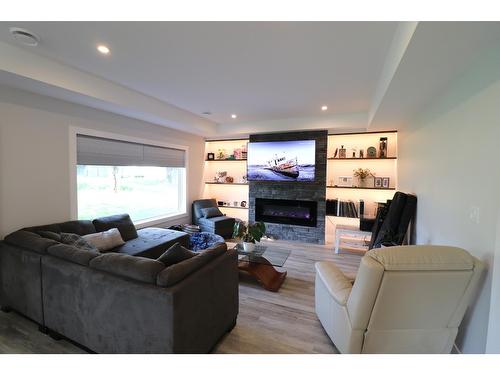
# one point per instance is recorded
(405, 299)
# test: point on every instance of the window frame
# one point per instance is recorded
(75, 131)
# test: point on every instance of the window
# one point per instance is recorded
(113, 177)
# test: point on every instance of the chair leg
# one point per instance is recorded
(43, 329)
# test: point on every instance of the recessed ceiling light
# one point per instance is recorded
(206, 113)
(24, 36)
(233, 116)
(103, 49)
(324, 108)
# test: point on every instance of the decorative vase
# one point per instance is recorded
(248, 247)
(363, 182)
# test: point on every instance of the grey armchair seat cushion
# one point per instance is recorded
(219, 222)
(175, 273)
(131, 267)
(30, 241)
(122, 222)
(73, 254)
(152, 242)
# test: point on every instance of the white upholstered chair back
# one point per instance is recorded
(406, 299)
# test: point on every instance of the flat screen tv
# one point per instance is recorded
(282, 161)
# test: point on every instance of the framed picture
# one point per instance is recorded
(377, 182)
(385, 182)
(344, 181)
(210, 156)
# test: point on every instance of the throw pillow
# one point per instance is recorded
(211, 212)
(76, 241)
(175, 254)
(122, 222)
(50, 235)
(105, 241)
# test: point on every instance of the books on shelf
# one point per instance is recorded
(339, 207)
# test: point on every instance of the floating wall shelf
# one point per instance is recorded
(226, 183)
(356, 187)
(364, 159)
(235, 207)
(227, 160)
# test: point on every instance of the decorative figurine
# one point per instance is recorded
(342, 152)
(382, 146)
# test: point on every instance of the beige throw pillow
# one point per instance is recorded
(105, 241)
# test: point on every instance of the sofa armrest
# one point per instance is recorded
(337, 284)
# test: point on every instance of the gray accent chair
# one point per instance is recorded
(221, 225)
(117, 302)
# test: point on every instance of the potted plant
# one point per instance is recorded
(362, 175)
(249, 233)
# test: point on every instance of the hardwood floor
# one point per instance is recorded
(268, 322)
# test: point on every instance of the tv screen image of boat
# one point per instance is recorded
(282, 161)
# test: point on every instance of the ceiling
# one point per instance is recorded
(265, 72)
(258, 70)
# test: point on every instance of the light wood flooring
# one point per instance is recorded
(268, 323)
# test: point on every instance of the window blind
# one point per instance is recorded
(102, 151)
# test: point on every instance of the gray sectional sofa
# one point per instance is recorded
(123, 301)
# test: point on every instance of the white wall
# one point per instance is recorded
(449, 158)
(34, 154)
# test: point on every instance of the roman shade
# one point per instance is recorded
(102, 151)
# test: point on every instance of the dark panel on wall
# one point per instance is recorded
(312, 191)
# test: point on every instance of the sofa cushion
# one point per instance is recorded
(153, 242)
(105, 241)
(73, 254)
(30, 241)
(122, 222)
(211, 212)
(80, 227)
(75, 240)
(177, 272)
(50, 235)
(135, 268)
(175, 254)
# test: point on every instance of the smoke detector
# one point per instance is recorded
(24, 36)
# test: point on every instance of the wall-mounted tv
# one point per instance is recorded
(282, 161)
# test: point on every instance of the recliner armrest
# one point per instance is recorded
(337, 284)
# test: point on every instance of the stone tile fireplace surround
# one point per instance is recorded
(298, 191)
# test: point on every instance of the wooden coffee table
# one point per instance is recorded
(261, 262)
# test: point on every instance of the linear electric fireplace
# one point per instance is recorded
(284, 211)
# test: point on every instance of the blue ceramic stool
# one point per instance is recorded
(203, 240)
